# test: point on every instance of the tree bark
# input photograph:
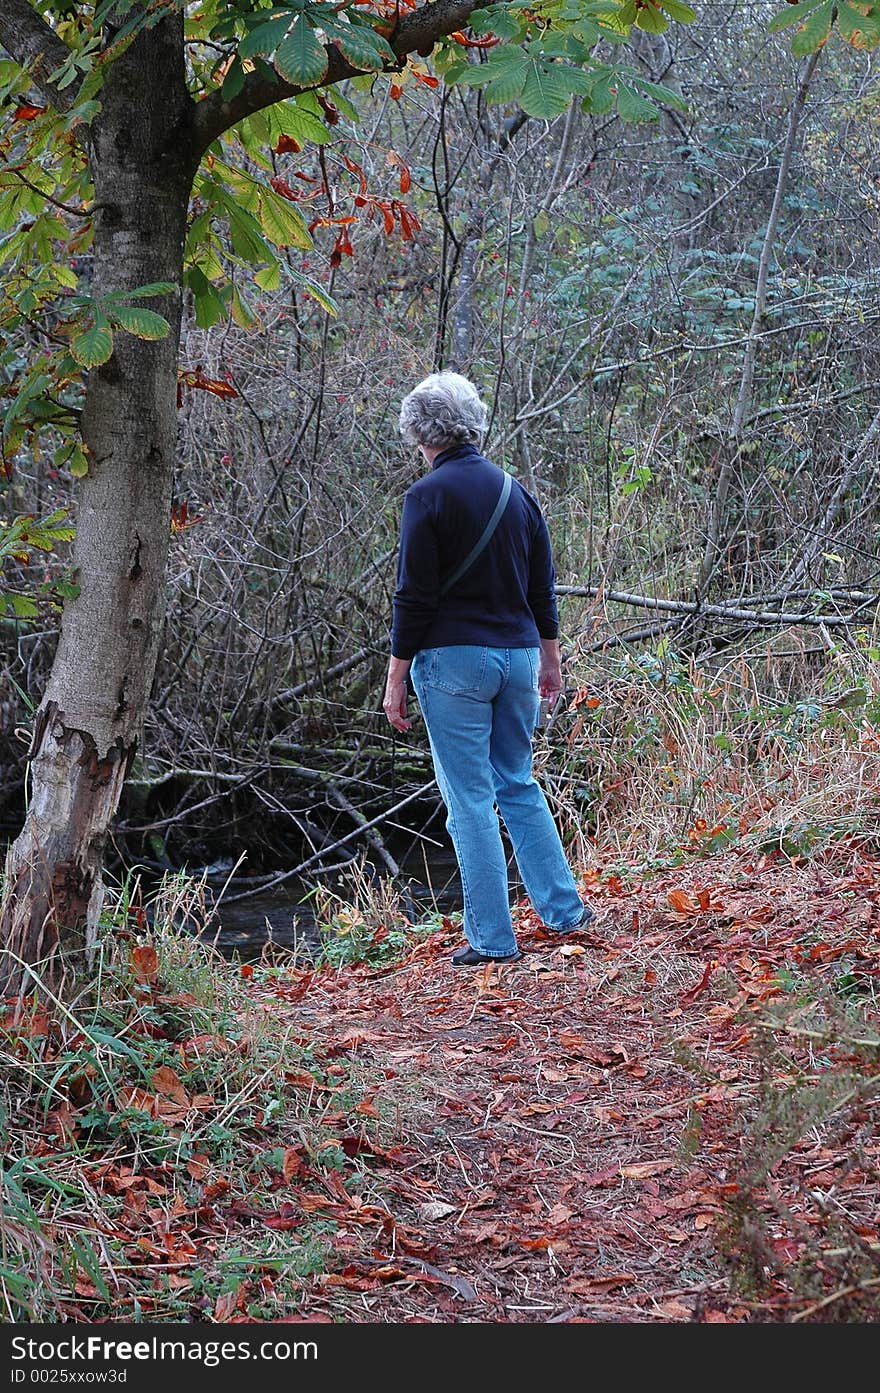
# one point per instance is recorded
(86, 730)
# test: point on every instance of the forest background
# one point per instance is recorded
(674, 321)
(671, 306)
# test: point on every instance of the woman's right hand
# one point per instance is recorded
(550, 670)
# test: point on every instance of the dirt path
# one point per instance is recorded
(561, 1139)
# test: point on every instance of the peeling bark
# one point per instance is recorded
(87, 728)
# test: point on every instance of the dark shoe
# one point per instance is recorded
(584, 922)
(469, 957)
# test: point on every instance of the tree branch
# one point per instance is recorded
(35, 46)
(417, 31)
(731, 613)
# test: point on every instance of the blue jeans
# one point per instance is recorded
(480, 707)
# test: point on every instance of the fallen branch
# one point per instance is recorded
(728, 613)
(291, 693)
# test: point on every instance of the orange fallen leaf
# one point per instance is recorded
(586, 1286)
(166, 1082)
(145, 961)
(681, 902)
(640, 1170)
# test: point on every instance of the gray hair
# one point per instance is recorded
(444, 409)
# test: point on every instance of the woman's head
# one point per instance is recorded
(445, 409)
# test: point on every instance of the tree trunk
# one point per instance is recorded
(86, 731)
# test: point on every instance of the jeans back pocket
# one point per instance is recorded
(459, 669)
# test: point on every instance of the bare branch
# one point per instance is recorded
(35, 46)
(759, 316)
(729, 612)
(416, 32)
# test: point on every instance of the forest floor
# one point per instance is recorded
(583, 1135)
(670, 1117)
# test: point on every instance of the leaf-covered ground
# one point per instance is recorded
(671, 1117)
(572, 1138)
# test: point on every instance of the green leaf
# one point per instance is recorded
(57, 527)
(301, 58)
(144, 324)
(633, 107)
(241, 311)
(683, 13)
(78, 464)
(650, 19)
(601, 97)
(265, 38)
(283, 224)
(507, 85)
(363, 47)
(233, 82)
(247, 241)
(64, 275)
(93, 345)
(495, 19)
(269, 278)
(862, 31)
(312, 288)
(67, 589)
(22, 606)
(210, 306)
(507, 82)
(815, 31)
(793, 14)
(291, 118)
(664, 95)
(143, 291)
(544, 93)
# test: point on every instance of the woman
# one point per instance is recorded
(475, 625)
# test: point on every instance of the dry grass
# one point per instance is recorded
(658, 757)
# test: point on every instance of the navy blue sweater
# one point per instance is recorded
(506, 598)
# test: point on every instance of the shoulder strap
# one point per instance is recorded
(484, 540)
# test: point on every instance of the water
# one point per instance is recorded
(283, 917)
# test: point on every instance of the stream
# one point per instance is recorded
(245, 923)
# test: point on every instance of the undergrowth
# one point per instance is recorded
(800, 1235)
(657, 759)
(141, 1127)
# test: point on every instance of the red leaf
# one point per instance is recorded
(405, 180)
(331, 112)
(282, 188)
(215, 385)
(27, 112)
(701, 985)
(355, 168)
(287, 146)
